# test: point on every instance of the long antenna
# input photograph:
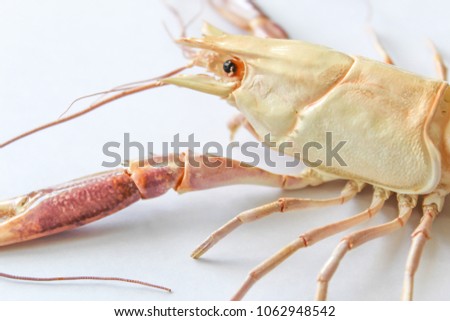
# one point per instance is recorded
(83, 278)
(124, 93)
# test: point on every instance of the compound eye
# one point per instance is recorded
(230, 67)
(234, 68)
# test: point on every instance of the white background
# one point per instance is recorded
(52, 52)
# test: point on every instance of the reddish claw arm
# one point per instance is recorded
(88, 199)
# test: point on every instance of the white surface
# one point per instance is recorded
(53, 51)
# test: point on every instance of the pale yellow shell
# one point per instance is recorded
(393, 122)
(383, 114)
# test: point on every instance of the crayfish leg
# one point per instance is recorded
(282, 205)
(431, 207)
(406, 204)
(313, 236)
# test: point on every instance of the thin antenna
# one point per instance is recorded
(125, 86)
(187, 52)
(123, 93)
(84, 111)
(82, 278)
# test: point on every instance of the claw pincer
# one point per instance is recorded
(82, 201)
(67, 206)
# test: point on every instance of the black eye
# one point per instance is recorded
(229, 67)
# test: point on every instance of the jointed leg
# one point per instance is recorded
(239, 121)
(282, 205)
(431, 207)
(310, 238)
(406, 205)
